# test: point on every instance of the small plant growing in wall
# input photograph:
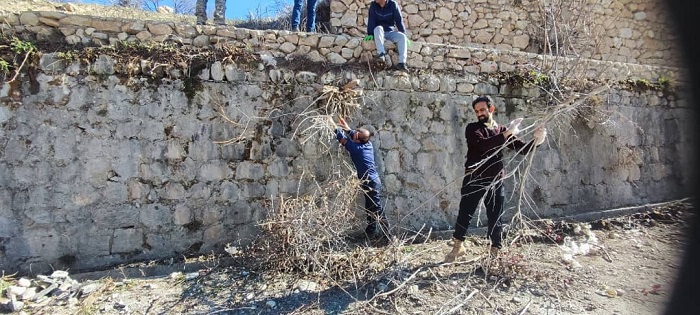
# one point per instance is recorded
(21, 47)
(67, 55)
(12, 50)
(4, 67)
(666, 84)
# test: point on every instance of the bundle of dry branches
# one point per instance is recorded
(317, 233)
(341, 101)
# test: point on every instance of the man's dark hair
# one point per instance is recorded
(482, 99)
(363, 135)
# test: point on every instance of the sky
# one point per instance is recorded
(235, 9)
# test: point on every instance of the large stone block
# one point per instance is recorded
(214, 171)
(127, 240)
(155, 216)
(250, 170)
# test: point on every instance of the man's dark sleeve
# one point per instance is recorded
(339, 134)
(398, 19)
(372, 20)
(519, 146)
(476, 139)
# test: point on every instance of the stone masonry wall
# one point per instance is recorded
(98, 169)
(634, 31)
(72, 29)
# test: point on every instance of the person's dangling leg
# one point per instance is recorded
(400, 40)
(296, 14)
(201, 12)
(311, 15)
(379, 40)
(220, 12)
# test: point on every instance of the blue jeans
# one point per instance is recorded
(398, 38)
(310, 14)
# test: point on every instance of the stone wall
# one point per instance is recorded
(98, 168)
(63, 28)
(634, 31)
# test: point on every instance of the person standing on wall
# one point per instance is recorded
(358, 144)
(310, 15)
(484, 172)
(385, 22)
(219, 12)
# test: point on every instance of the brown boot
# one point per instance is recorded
(493, 252)
(457, 250)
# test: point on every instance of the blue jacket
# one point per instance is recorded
(388, 17)
(362, 155)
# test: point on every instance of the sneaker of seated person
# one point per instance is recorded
(401, 66)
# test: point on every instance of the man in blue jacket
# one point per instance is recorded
(385, 22)
(362, 154)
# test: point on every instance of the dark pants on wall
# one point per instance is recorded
(473, 188)
(373, 207)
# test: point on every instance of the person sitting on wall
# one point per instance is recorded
(385, 22)
(310, 15)
(219, 10)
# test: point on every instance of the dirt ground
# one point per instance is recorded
(623, 265)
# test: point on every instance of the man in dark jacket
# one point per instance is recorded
(385, 22)
(484, 172)
(362, 155)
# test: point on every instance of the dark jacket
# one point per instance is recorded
(388, 17)
(483, 142)
(361, 154)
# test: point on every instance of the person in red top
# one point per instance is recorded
(484, 172)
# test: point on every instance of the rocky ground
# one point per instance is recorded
(623, 265)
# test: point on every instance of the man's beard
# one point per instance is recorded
(484, 119)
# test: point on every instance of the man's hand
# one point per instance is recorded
(368, 38)
(540, 134)
(343, 123)
(513, 127)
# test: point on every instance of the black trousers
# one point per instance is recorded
(373, 206)
(473, 189)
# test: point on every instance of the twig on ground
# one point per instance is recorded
(456, 308)
(488, 301)
(525, 308)
(605, 252)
